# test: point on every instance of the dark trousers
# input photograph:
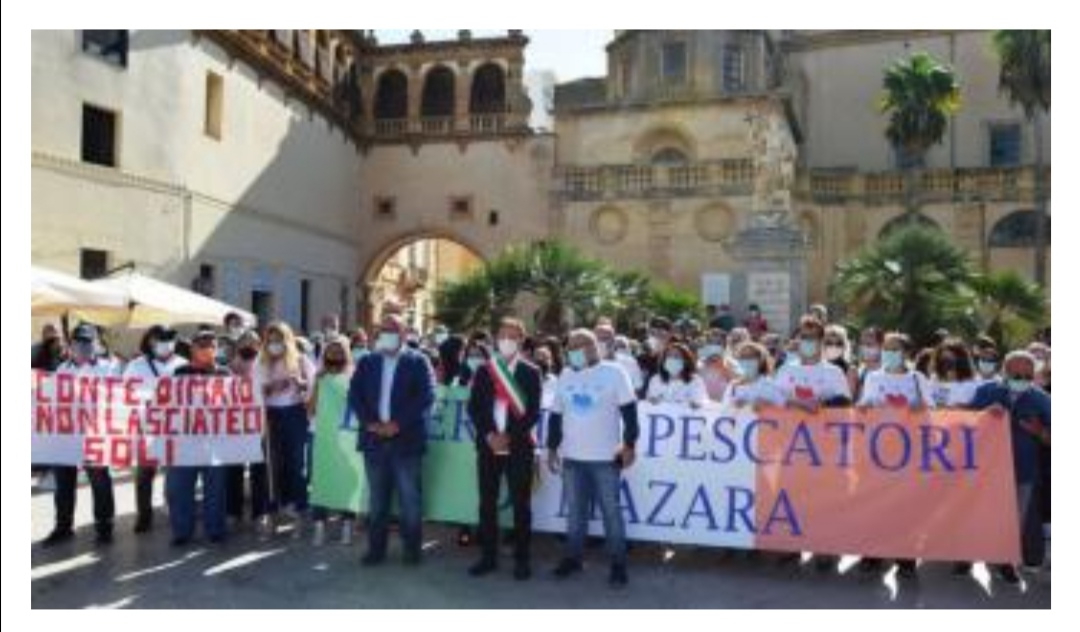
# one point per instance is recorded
(517, 468)
(1032, 542)
(387, 473)
(144, 492)
(180, 493)
(286, 442)
(101, 487)
(1044, 483)
(258, 488)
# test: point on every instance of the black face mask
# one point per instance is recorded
(545, 367)
(247, 353)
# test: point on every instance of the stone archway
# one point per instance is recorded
(405, 270)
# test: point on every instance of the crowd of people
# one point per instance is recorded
(590, 381)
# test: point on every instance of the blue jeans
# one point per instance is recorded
(586, 482)
(386, 473)
(180, 496)
(287, 435)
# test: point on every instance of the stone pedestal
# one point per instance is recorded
(772, 252)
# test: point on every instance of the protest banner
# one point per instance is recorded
(127, 422)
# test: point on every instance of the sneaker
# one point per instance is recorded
(961, 569)
(617, 578)
(905, 569)
(347, 528)
(318, 535)
(824, 563)
(143, 524)
(567, 567)
(870, 565)
(57, 536)
(483, 567)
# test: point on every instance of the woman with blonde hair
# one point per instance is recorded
(286, 376)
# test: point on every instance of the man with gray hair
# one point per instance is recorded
(1028, 407)
(592, 431)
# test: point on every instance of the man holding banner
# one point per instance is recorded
(505, 407)
(592, 401)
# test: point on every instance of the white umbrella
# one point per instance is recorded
(55, 293)
(156, 302)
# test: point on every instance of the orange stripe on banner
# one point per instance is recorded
(887, 483)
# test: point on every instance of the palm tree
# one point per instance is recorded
(920, 94)
(1009, 308)
(1025, 78)
(915, 281)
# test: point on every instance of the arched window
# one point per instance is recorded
(900, 221)
(438, 97)
(1017, 230)
(669, 157)
(392, 96)
(488, 94)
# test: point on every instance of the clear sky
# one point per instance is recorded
(570, 54)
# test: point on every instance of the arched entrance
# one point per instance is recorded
(406, 273)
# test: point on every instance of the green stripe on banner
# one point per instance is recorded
(337, 475)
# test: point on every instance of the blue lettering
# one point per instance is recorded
(729, 445)
(654, 435)
(700, 498)
(802, 441)
(845, 428)
(668, 489)
(783, 512)
(743, 509)
(626, 503)
(968, 432)
(750, 439)
(875, 448)
(687, 436)
(930, 448)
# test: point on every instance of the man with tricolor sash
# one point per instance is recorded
(505, 407)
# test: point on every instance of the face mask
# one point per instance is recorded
(544, 366)
(871, 353)
(220, 357)
(358, 353)
(946, 364)
(654, 343)
(748, 368)
(388, 342)
(605, 349)
(163, 349)
(709, 351)
(833, 352)
(507, 347)
(248, 353)
(808, 348)
(276, 349)
(673, 366)
(440, 338)
(987, 367)
(891, 360)
(234, 332)
(577, 359)
(474, 362)
(1019, 386)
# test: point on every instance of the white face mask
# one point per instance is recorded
(163, 349)
(604, 348)
(654, 343)
(276, 349)
(833, 352)
(388, 342)
(507, 347)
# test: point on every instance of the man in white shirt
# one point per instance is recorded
(592, 431)
(158, 359)
(85, 360)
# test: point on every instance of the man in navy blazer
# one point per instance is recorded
(392, 394)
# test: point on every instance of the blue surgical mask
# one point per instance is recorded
(474, 362)
(711, 350)
(870, 353)
(577, 359)
(987, 367)
(1019, 387)
(808, 348)
(358, 353)
(673, 366)
(749, 368)
(892, 359)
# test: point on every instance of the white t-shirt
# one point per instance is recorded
(633, 370)
(141, 367)
(276, 371)
(676, 391)
(589, 402)
(547, 391)
(953, 394)
(820, 382)
(763, 390)
(881, 388)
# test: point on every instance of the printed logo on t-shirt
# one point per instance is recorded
(896, 399)
(582, 403)
(804, 392)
